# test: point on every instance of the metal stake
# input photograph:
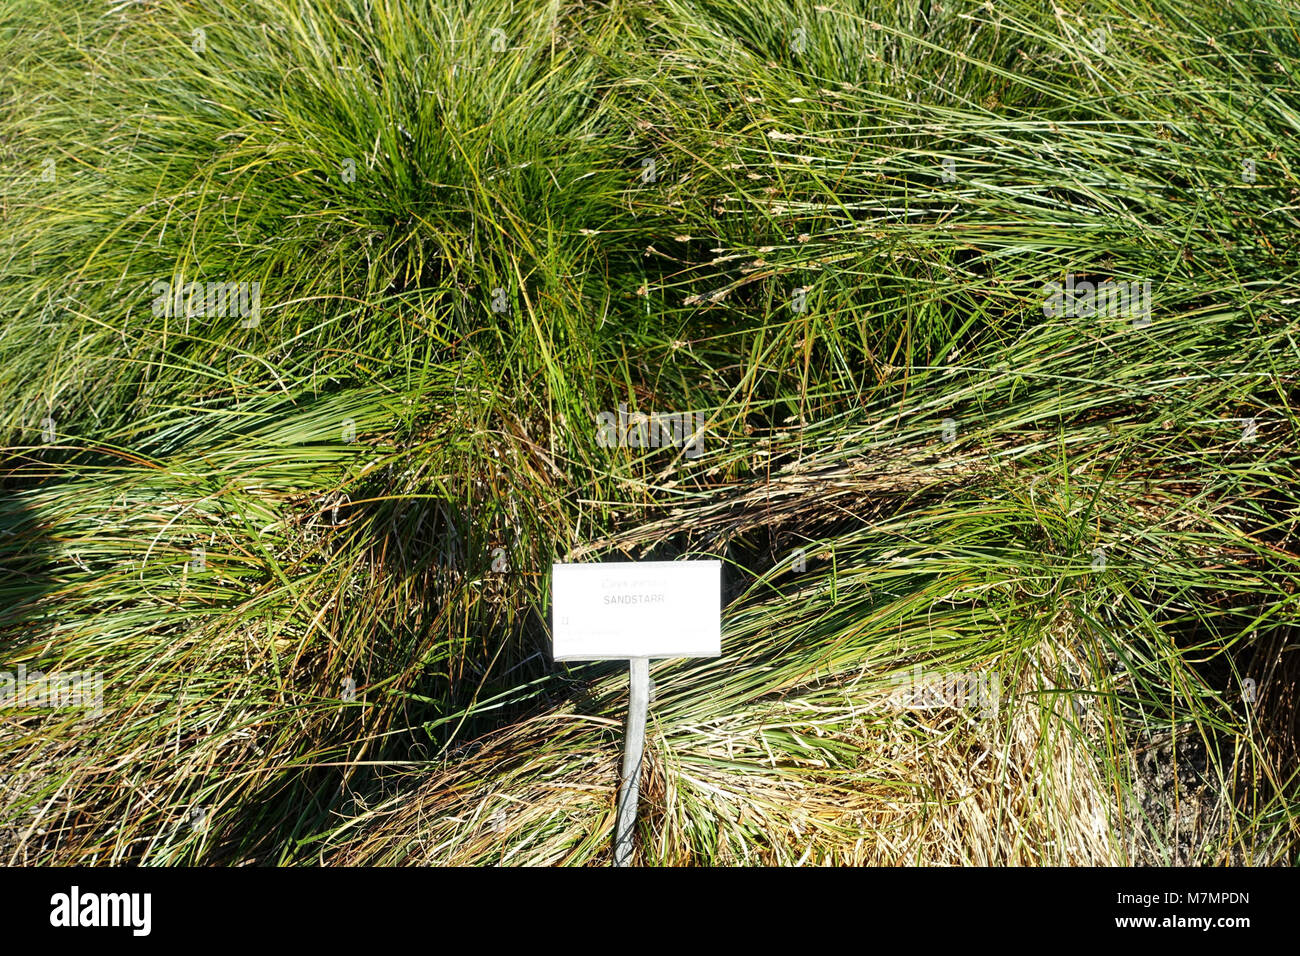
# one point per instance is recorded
(633, 749)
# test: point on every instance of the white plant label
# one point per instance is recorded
(637, 609)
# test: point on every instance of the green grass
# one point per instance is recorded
(475, 227)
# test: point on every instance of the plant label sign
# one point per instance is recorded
(647, 609)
